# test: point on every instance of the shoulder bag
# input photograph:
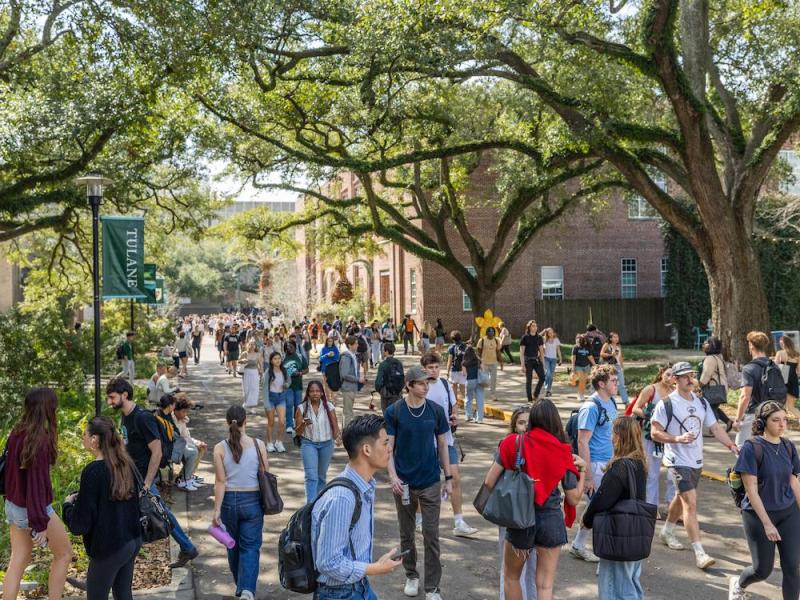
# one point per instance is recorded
(510, 502)
(717, 393)
(153, 515)
(271, 501)
(625, 531)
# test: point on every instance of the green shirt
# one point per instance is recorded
(127, 350)
(295, 365)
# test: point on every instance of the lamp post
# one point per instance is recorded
(94, 183)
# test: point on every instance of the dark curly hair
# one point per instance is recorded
(763, 413)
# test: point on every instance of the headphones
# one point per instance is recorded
(764, 412)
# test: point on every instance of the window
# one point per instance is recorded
(466, 303)
(638, 207)
(552, 283)
(663, 276)
(629, 278)
(792, 157)
(412, 278)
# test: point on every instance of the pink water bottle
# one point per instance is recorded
(221, 534)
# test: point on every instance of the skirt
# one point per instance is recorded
(250, 387)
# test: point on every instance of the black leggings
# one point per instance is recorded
(113, 573)
(507, 351)
(530, 367)
(762, 551)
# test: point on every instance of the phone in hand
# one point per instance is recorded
(400, 555)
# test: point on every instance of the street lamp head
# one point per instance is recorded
(94, 183)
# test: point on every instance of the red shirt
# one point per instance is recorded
(29, 488)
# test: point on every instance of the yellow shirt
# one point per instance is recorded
(488, 350)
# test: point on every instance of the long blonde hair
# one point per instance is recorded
(627, 440)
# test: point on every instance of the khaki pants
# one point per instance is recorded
(430, 502)
(348, 400)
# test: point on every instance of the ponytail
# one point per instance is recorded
(235, 418)
(120, 466)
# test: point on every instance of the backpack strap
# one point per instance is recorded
(345, 482)
(602, 412)
(449, 404)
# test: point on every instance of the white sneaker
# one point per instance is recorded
(735, 591)
(247, 595)
(670, 541)
(463, 530)
(187, 486)
(418, 527)
(198, 480)
(703, 560)
(433, 596)
(290, 431)
(411, 588)
(279, 446)
(270, 447)
(583, 553)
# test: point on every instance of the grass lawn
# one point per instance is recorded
(632, 353)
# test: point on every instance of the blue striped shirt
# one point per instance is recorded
(330, 527)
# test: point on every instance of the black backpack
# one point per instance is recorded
(771, 387)
(394, 381)
(571, 428)
(458, 356)
(296, 567)
(362, 344)
(596, 344)
(121, 351)
(333, 376)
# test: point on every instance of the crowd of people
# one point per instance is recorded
(611, 452)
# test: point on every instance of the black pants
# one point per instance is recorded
(113, 573)
(196, 342)
(507, 351)
(530, 367)
(762, 551)
(408, 338)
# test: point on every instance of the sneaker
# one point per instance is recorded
(247, 595)
(187, 486)
(197, 481)
(418, 527)
(463, 530)
(703, 560)
(469, 419)
(270, 447)
(479, 421)
(548, 393)
(583, 554)
(433, 595)
(279, 447)
(411, 588)
(184, 557)
(290, 431)
(670, 541)
(735, 591)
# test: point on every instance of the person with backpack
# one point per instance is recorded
(414, 471)
(390, 379)
(352, 377)
(678, 422)
(590, 432)
(531, 358)
(295, 368)
(237, 499)
(762, 381)
(441, 393)
(455, 358)
(471, 367)
(328, 355)
(342, 520)
(125, 357)
(105, 511)
(230, 348)
(596, 339)
(489, 351)
(620, 578)
(142, 436)
(318, 429)
(362, 351)
(769, 466)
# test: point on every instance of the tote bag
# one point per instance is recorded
(510, 503)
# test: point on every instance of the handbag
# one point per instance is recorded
(484, 378)
(271, 501)
(625, 532)
(716, 393)
(153, 515)
(510, 502)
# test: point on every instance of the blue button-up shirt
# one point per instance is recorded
(330, 528)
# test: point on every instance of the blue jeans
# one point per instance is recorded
(550, 365)
(619, 580)
(474, 391)
(243, 518)
(178, 534)
(623, 392)
(359, 590)
(316, 460)
(294, 398)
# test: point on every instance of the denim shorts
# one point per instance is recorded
(275, 399)
(586, 369)
(453, 454)
(18, 515)
(549, 532)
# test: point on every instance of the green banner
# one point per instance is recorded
(160, 293)
(123, 257)
(150, 275)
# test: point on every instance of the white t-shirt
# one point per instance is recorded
(438, 394)
(686, 416)
(551, 348)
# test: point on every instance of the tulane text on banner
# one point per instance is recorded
(123, 257)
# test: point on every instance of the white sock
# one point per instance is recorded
(581, 537)
(669, 528)
(459, 518)
(698, 548)
(419, 518)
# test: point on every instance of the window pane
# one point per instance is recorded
(628, 278)
(552, 283)
(465, 301)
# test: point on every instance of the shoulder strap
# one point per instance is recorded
(758, 450)
(632, 489)
(668, 408)
(447, 387)
(344, 482)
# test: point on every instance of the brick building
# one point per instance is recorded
(608, 252)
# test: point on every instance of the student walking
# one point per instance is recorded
(316, 424)
(198, 331)
(438, 339)
(253, 368)
(183, 347)
(353, 377)
(471, 367)
(552, 358)
(390, 378)
(790, 358)
(125, 355)
(712, 373)
(548, 460)
(505, 343)
(295, 368)
(757, 385)
(32, 450)
(105, 511)
(582, 363)
(489, 351)
(343, 554)
(414, 468)
(375, 343)
(237, 500)
(455, 358)
(328, 355)
(769, 466)
(531, 358)
(230, 348)
(611, 354)
(408, 327)
(275, 392)
(620, 579)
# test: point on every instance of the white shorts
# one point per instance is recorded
(458, 378)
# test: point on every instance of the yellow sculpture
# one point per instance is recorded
(489, 319)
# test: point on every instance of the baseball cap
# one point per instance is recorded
(416, 373)
(682, 368)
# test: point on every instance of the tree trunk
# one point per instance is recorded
(738, 299)
(482, 300)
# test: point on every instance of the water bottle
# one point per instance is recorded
(221, 534)
(405, 499)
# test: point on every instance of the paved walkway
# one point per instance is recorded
(470, 565)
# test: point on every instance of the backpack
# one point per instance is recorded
(121, 351)
(458, 356)
(571, 429)
(734, 479)
(362, 345)
(596, 344)
(772, 386)
(333, 376)
(296, 567)
(632, 404)
(168, 435)
(733, 375)
(395, 378)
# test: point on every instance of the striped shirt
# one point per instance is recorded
(330, 527)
